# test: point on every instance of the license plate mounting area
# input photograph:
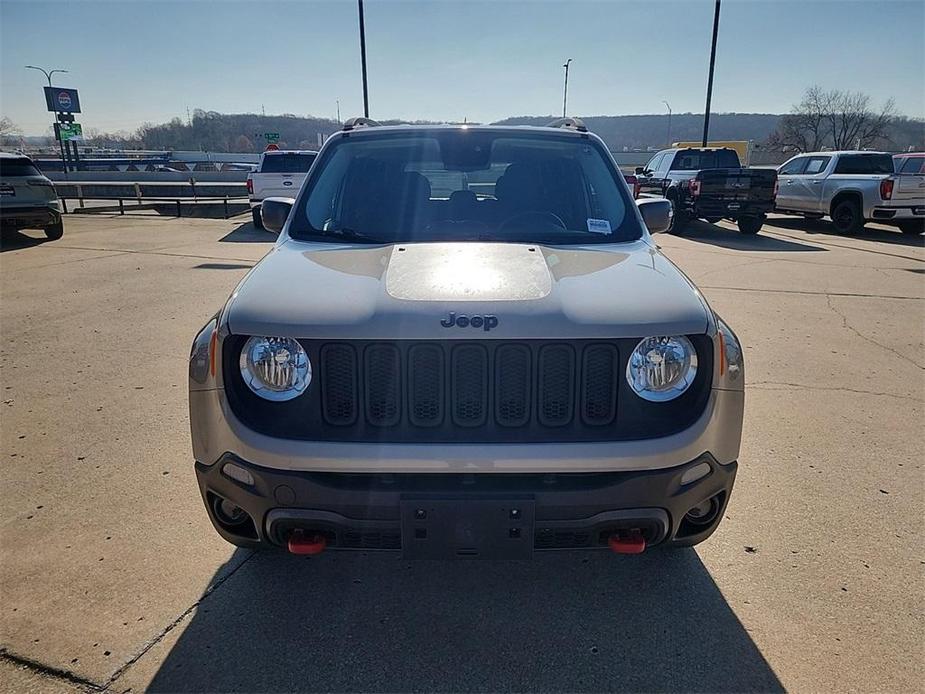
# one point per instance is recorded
(467, 528)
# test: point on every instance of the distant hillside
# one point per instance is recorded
(641, 132)
(244, 132)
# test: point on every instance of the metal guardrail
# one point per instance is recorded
(137, 191)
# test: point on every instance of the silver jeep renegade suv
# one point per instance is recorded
(465, 343)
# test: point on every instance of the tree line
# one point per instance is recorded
(824, 119)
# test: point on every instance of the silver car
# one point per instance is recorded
(28, 200)
(465, 343)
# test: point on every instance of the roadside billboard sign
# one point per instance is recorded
(62, 100)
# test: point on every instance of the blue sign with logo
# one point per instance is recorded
(62, 100)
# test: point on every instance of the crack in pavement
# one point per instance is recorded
(761, 385)
(170, 627)
(88, 684)
(846, 324)
(49, 671)
(774, 234)
(813, 293)
(154, 251)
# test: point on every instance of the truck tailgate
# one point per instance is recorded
(268, 185)
(747, 185)
(909, 188)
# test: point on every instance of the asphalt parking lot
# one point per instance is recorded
(112, 577)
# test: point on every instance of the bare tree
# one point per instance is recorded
(833, 118)
(852, 122)
(7, 127)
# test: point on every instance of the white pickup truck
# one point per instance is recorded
(280, 173)
(851, 188)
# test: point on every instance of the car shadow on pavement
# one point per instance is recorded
(704, 232)
(868, 233)
(374, 622)
(248, 233)
(11, 240)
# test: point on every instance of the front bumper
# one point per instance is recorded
(27, 217)
(216, 430)
(565, 510)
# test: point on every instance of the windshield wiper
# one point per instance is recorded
(353, 234)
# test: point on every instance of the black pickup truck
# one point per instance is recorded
(710, 183)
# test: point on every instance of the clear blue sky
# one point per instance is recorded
(137, 61)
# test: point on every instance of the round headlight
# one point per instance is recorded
(275, 368)
(661, 368)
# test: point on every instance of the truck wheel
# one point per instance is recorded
(913, 227)
(679, 220)
(258, 222)
(846, 217)
(55, 231)
(750, 225)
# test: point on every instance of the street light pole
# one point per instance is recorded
(48, 74)
(706, 115)
(565, 91)
(669, 121)
(363, 58)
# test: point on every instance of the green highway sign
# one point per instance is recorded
(69, 131)
(271, 137)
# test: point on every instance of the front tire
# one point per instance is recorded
(847, 218)
(55, 231)
(258, 221)
(912, 227)
(750, 225)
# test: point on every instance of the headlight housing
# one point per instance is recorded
(662, 368)
(275, 368)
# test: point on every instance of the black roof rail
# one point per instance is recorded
(359, 122)
(571, 123)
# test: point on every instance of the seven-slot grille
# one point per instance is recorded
(469, 385)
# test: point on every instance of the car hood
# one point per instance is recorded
(435, 290)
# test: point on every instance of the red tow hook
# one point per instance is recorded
(631, 543)
(300, 543)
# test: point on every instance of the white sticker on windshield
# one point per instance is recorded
(599, 226)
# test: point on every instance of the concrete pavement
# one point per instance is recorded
(112, 577)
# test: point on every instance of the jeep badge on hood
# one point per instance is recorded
(486, 322)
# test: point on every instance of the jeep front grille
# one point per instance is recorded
(486, 391)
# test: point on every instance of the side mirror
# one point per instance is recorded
(274, 212)
(656, 213)
(640, 170)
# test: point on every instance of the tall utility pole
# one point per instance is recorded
(565, 91)
(706, 114)
(48, 74)
(363, 58)
(338, 110)
(669, 122)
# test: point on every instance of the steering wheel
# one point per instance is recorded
(538, 216)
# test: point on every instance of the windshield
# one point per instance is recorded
(695, 160)
(287, 163)
(463, 185)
